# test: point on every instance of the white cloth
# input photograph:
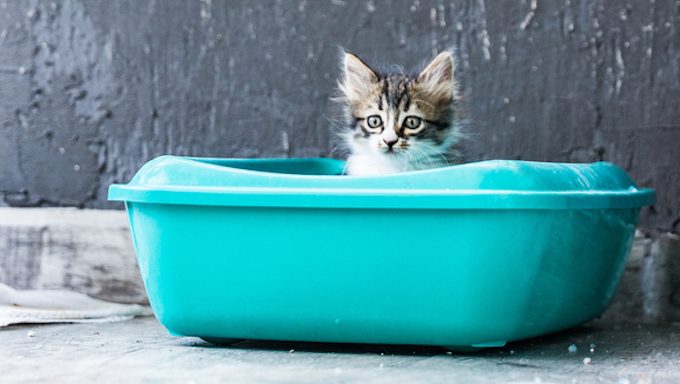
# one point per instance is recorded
(59, 306)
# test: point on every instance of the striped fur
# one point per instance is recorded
(398, 122)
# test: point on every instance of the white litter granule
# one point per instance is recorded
(587, 361)
(30, 334)
(572, 348)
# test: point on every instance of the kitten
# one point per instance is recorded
(398, 122)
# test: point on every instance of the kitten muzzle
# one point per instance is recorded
(390, 143)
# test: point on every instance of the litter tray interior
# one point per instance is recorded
(320, 167)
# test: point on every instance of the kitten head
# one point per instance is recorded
(409, 121)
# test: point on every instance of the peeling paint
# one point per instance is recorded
(486, 43)
(530, 16)
(620, 69)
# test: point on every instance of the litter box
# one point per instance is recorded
(467, 256)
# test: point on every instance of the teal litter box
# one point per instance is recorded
(466, 256)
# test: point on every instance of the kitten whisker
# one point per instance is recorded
(437, 151)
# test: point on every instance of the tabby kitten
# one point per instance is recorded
(398, 122)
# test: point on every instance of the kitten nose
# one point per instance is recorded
(390, 141)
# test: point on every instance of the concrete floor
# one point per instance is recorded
(141, 351)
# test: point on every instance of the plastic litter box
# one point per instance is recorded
(467, 256)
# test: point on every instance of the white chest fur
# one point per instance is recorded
(369, 164)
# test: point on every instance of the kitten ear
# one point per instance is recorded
(437, 77)
(358, 78)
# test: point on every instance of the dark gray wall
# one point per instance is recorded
(90, 90)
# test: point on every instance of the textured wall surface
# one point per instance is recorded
(83, 250)
(90, 90)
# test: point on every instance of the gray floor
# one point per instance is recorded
(141, 351)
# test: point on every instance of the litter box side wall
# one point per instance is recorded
(584, 257)
(449, 277)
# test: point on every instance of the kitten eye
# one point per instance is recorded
(412, 122)
(374, 121)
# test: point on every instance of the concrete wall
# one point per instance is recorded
(89, 90)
